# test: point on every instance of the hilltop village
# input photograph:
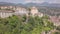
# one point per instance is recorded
(6, 11)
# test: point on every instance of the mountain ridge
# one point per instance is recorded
(31, 4)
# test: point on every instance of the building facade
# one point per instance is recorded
(5, 13)
(21, 11)
(35, 12)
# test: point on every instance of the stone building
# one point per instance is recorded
(6, 13)
(21, 11)
(7, 7)
(35, 12)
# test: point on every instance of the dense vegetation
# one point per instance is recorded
(18, 25)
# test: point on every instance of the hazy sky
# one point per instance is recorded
(27, 1)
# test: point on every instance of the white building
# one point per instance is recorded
(5, 13)
(7, 7)
(21, 11)
(17, 11)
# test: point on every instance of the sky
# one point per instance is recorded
(28, 1)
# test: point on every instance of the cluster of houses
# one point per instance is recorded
(6, 11)
(55, 20)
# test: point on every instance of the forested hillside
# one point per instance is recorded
(18, 25)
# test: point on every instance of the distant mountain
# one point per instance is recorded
(32, 4)
(46, 4)
(54, 5)
(11, 4)
(21, 5)
(43, 4)
(6, 4)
